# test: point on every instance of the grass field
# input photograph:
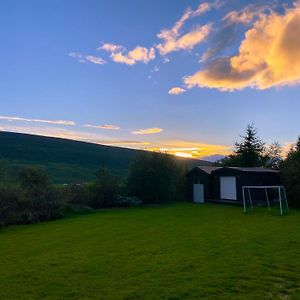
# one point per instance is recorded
(180, 251)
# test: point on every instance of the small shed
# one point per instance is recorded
(228, 182)
(225, 184)
(200, 183)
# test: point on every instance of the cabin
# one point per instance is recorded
(225, 184)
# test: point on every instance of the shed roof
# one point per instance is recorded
(253, 169)
(208, 169)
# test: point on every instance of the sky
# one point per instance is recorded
(185, 77)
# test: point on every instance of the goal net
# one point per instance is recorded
(268, 196)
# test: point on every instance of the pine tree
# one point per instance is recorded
(250, 151)
(298, 145)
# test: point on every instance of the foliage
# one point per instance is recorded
(104, 190)
(274, 156)
(34, 200)
(156, 178)
(126, 201)
(179, 251)
(290, 173)
(250, 152)
(9, 205)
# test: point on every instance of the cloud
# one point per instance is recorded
(148, 131)
(268, 56)
(109, 47)
(105, 126)
(191, 149)
(138, 54)
(244, 17)
(175, 40)
(55, 122)
(202, 8)
(95, 60)
(87, 58)
(142, 54)
(172, 41)
(176, 91)
(122, 59)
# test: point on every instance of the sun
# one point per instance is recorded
(183, 154)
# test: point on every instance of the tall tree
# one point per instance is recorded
(247, 153)
(156, 178)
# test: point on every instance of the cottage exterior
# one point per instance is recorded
(224, 184)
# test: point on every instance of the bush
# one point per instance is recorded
(123, 201)
(156, 178)
(9, 206)
(76, 194)
(33, 201)
(290, 173)
(104, 191)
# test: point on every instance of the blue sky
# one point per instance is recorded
(231, 63)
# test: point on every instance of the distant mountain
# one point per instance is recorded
(213, 158)
(66, 160)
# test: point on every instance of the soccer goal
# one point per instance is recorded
(265, 196)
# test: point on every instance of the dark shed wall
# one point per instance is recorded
(244, 178)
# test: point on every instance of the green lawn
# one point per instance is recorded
(180, 251)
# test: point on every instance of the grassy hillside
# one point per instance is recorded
(181, 251)
(65, 160)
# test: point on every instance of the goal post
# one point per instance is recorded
(248, 198)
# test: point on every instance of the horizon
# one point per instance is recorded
(187, 83)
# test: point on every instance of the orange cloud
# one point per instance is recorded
(138, 54)
(148, 131)
(174, 40)
(111, 47)
(268, 56)
(176, 91)
(185, 42)
(122, 59)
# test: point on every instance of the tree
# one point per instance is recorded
(247, 153)
(38, 200)
(297, 147)
(156, 178)
(273, 155)
(32, 179)
(105, 189)
(290, 173)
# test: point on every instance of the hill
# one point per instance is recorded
(65, 160)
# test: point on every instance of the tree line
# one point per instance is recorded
(153, 178)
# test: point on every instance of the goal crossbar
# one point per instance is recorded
(281, 195)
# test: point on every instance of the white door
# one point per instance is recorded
(198, 193)
(228, 187)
